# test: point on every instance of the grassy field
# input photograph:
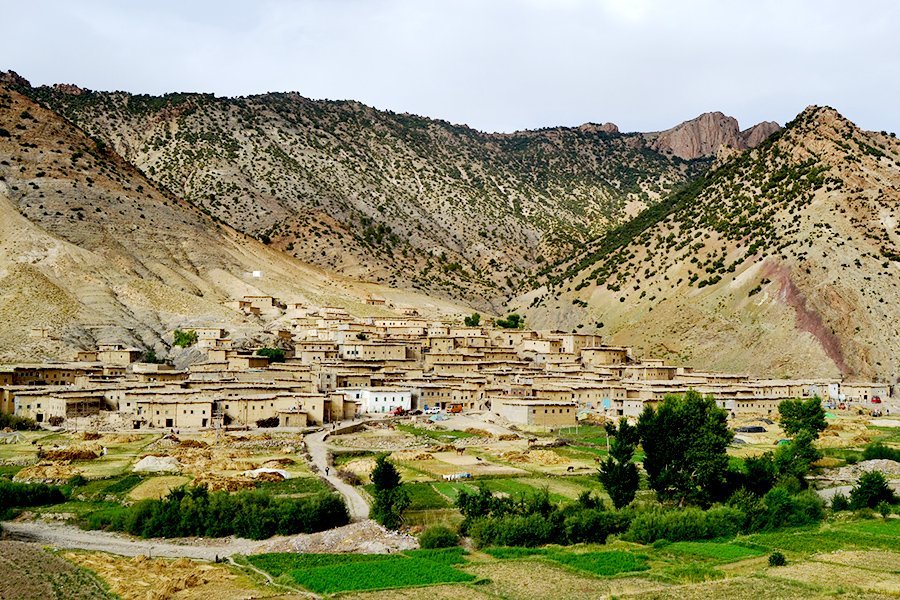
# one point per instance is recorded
(333, 573)
(852, 559)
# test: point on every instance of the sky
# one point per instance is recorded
(496, 65)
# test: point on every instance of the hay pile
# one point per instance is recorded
(539, 457)
(47, 473)
(89, 436)
(508, 437)
(479, 432)
(193, 444)
(410, 455)
(215, 483)
(74, 452)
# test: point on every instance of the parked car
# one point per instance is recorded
(456, 408)
(434, 410)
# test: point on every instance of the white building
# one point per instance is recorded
(379, 399)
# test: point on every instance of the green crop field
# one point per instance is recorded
(603, 564)
(333, 573)
(713, 550)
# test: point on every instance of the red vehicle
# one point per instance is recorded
(876, 399)
(398, 412)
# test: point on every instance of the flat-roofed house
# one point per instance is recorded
(535, 412)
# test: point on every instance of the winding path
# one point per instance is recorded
(318, 451)
(69, 536)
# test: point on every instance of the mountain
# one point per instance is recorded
(92, 251)
(782, 260)
(394, 198)
(703, 136)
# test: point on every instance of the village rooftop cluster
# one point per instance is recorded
(338, 367)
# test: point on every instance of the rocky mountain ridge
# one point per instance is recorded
(781, 260)
(393, 198)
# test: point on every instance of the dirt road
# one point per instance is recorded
(318, 451)
(59, 535)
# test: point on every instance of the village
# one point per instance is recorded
(331, 366)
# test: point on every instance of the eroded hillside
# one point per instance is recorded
(395, 198)
(92, 251)
(783, 260)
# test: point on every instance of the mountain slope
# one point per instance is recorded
(784, 260)
(92, 251)
(410, 201)
(703, 136)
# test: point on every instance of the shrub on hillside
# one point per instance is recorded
(183, 339)
(275, 355)
(777, 559)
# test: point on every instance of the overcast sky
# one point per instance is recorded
(497, 65)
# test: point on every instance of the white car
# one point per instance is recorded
(434, 410)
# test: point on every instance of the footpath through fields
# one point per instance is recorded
(318, 451)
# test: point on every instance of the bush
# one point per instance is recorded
(840, 502)
(348, 477)
(55, 421)
(514, 530)
(871, 489)
(438, 537)
(878, 450)
(685, 524)
(17, 495)
(275, 355)
(884, 509)
(17, 423)
(268, 422)
(593, 525)
(183, 339)
(777, 559)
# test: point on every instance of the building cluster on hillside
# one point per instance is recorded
(338, 367)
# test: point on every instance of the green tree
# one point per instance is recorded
(472, 321)
(870, 490)
(512, 321)
(793, 461)
(685, 441)
(183, 339)
(390, 499)
(618, 474)
(802, 415)
(275, 355)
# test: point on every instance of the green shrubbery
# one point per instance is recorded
(534, 521)
(17, 423)
(685, 524)
(438, 537)
(17, 495)
(275, 355)
(183, 339)
(198, 512)
(880, 451)
(871, 490)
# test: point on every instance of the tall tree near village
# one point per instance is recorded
(685, 441)
(618, 474)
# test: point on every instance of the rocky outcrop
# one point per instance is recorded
(12, 78)
(702, 137)
(594, 127)
(754, 136)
